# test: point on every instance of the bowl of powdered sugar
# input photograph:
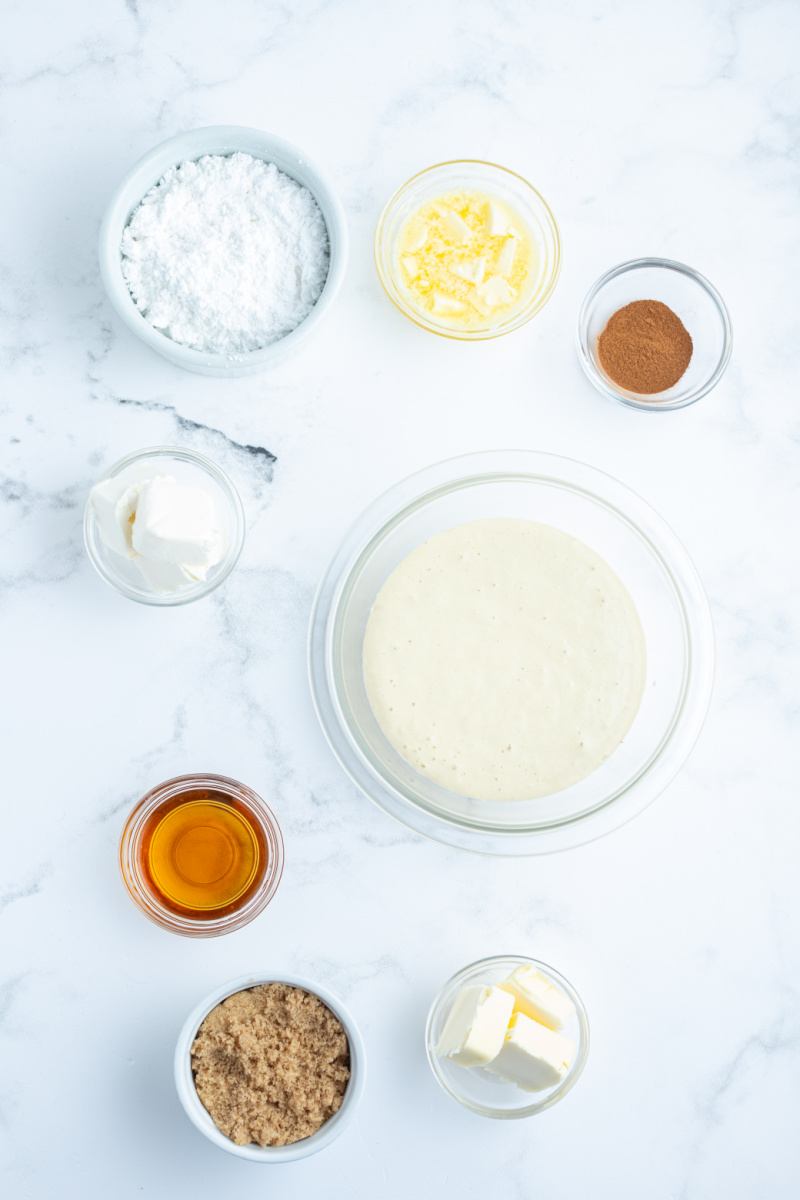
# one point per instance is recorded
(223, 248)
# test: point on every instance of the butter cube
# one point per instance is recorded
(419, 239)
(505, 259)
(457, 226)
(446, 306)
(477, 1024)
(495, 292)
(478, 304)
(496, 218)
(536, 997)
(532, 1057)
(470, 269)
(410, 265)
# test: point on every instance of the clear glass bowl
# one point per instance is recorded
(243, 911)
(690, 296)
(187, 466)
(498, 182)
(633, 540)
(478, 1089)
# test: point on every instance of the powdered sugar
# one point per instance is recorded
(226, 254)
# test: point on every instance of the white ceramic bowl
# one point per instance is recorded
(635, 542)
(219, 139)
(199, 1116)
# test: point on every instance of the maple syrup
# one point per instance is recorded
(202, 853)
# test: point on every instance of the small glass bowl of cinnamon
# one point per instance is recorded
(201, 855)
(632, 335)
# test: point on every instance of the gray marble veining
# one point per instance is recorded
(650, 129)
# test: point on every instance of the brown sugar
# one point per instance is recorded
(645, 347)
(271, 1065)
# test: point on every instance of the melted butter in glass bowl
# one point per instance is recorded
(469, 178)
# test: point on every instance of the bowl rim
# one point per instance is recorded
(199, 1115)
(672, 557)
(523, 316)
(183, 596)
(552, 1097)
(630, 398)
(127, 196)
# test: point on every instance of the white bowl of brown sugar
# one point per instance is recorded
(270, 1068)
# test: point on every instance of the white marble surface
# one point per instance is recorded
(650, 128)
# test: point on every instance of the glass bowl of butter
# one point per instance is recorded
(468, 250)
(507, 1037)
(164, 526)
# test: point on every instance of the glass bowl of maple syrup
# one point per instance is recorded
(201, 855)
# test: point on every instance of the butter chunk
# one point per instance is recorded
(419, 239)
(496, 218)
(410, 265)
(505, 259)
(470, 269)
(474, 1031)
(532, 1057)
(446, 306)
(479, 305)
(495, 292)
(536, 997)
(457, 226)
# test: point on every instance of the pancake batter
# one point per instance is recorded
(504, 659)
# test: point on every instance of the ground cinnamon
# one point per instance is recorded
(645, 347)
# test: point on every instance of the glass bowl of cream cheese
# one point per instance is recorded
(666, 658)
(164, 526)
(507, 1037)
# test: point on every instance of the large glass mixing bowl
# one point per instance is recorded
(634, 541)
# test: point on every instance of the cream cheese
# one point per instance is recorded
(176, 523)
(170, 530)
